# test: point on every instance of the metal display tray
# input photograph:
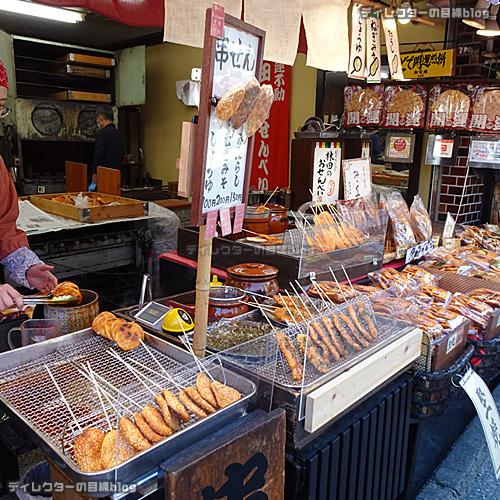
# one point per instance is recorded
(31, 399)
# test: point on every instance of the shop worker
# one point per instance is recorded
(109, 148)
(23, 265)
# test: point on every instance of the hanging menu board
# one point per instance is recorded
(326, 172)
(223, 150)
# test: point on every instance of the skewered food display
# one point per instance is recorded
(226, 335)
(128, 335)
(335, 293)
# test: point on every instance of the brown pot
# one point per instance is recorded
(254, 277)
(278, 223)
(77, 317)
(226, 302)
(257, 223)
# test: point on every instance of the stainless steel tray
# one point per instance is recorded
(32, 400)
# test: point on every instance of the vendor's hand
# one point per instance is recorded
(92, 186)
(9, 296)
(40, 277)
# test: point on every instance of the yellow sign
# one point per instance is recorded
(429, 64)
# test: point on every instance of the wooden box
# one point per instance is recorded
(448, 349)
(88, 71)
(83, 58)
(126, 208)
(76, 95)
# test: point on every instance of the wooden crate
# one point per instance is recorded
(83, 58)
(76, 95)
(126, 208)
(88, 71)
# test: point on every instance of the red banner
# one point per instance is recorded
(270, 149)
(131, 12)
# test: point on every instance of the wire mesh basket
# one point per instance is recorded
(486, 358)
(434, 392)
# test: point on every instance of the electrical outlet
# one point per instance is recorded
(196, 74)
(40, 189)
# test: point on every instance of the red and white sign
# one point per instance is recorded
(399, 147)
(443, 148)
(239, 215)
(217, 21)
(270, 149)
(225, 221)
(211, 224)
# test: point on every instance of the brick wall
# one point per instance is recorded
(452, 187)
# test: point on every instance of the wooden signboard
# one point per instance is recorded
(76, 176)
(223, 155)
(428, 64)
(245, 460)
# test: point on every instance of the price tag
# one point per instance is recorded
(436, 240)
(211, 224)
(239, 214)
(217, 21)
(452, 343)
(418, 251)
(225, 221)
(451, 243)
(401, 251)
(449, 226)
(487, 411)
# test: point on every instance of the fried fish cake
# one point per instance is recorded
(128, 336)
(225, 394)
(175, 404)
(155, 419)
(167, 413)
(195, 396)
(115, 449)
(203, 386)
(106, 315)
(133, 435)
(87, 449)
(190, 405)
(146, 429)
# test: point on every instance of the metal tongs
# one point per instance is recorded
(49, 299)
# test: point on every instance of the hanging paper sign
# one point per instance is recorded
(225, 221)
(217, 25)
(373, 66)
(392, 45)
(210, 230)
(363, 105)
(429, 64)
(239, 215)
(449, 106)
(358, 44)
(487, 411)
(486, 110)
(357, 178)
(326, 172)
(405, 106)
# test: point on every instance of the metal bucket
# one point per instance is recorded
(78, 317)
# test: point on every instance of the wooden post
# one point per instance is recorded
(202, 292)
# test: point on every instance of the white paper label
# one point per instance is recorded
(357, 178)
(449, 226)
(443, 148)
(484, 151)
(326, 174)
(358, 44)
(373, 66)
(392, 44)
(418, 251)
(452, 343)
(486, 408)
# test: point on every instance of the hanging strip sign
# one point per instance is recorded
(358, 44)
(225, 221)
(217, 21)
(373, 66)
(487, 410)
(326, 172)
(210, 230)
(392, 45)
(239, 215)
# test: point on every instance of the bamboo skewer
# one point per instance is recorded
(97, 388)
(63, 398)
(338, 286)
(309, 298)
(294, 305)
(166, 375)
(263, 314)
(272, 194)
(184, 339)
(349, 281)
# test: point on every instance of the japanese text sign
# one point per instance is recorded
(326, 172)
(399, 147)
(222, 167)
(211, 227)
(217, 27)
(429, 64)
(484, 152)
(373, 66)
(392, 44)
(486, 110)
(358, 44)
(357, 178)
(487, 411)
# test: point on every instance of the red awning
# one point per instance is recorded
(131, 12)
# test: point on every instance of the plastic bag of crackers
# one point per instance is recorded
(405, 106)
(450, 106)
(363, 105)
(485, 114)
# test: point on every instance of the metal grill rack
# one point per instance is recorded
(28, 390)
(263, 357)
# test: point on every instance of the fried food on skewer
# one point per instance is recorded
(225, 394)
(337, 342)
(319, 343)
(176, 405)
(326, 339)
(352, 313)
(115, 449)
(133, 435)
(312, 354)
(203, 386)
(357, 335)
(190, 405)
(195, 396)
(155, 419)
(291, 354)
(368, 320)
(171, 418)
(344, 333)
(87, 449)
(146, 429)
